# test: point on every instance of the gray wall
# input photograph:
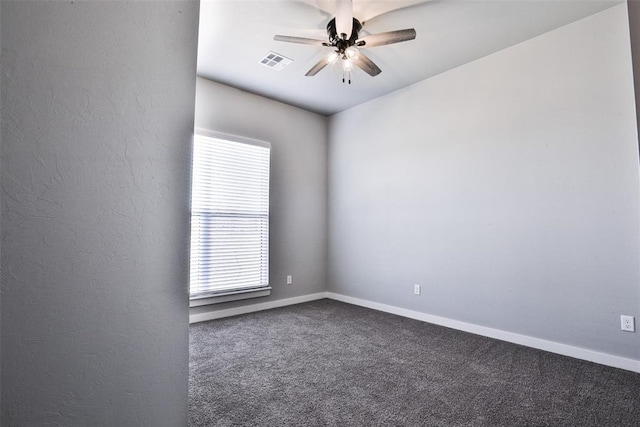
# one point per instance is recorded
(508, 188)
(633, 7)
(97, 118)
(298, 202)
(1, 270)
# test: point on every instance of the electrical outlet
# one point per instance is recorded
(417, 289)
(627, 323)
(289, 280)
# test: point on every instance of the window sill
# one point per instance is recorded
(231, 296)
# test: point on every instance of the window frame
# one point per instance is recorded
(239, 293)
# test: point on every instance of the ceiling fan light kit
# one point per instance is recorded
(343, 32)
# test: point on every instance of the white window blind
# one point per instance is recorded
(229, 216)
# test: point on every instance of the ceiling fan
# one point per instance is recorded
(343, 32)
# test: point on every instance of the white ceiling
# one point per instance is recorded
(236, 34)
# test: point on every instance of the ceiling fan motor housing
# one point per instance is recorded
(336, 39)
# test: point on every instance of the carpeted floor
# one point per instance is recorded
(327, 363)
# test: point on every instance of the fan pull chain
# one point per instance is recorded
(348, 76)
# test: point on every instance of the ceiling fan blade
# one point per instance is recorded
(367, 65)
(387, 38)
(302, 40)
(319, 66)
(344, 17)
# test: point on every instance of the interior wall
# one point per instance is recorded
(298, 193)
(1, 270)
(507, 188)
(97, 119)
(633, 7)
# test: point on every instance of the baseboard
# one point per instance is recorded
(219, 314)
(540, 344)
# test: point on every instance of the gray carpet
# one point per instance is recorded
(327, 363)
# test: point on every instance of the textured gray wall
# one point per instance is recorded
(298, 203)
(508, 188)
(97, 118)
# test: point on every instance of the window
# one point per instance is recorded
(229, 216)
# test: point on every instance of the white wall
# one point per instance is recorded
(507, 188)
(97, 119)
(298, 202)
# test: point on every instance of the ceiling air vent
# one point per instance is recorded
(275, 61)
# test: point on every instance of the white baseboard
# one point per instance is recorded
(541, 344)
(538, 343)
(219, 314)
